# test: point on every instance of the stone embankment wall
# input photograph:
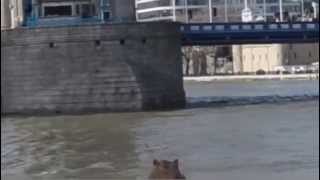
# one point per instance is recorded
(124, 67)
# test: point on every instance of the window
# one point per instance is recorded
(246, 27)
(311, 26)
(190, 14)
(284, 26)
(77, 9)
(87, 10)
(214, 12)
(57, 11)
(273, 26)
(234, 27)
(106, 16)
(258, 27)
(219, 27)
(195, 28)
(296, 26)
(97, 42)
(207, 28)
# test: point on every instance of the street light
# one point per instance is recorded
(281, 10)
(246, 14)
(210, 10)
(264, 10)
(315, 7)
(174, 10)
(302, 9)
(226, 10)
(186, 10)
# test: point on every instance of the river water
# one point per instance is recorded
(257, 130)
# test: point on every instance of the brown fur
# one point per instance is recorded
(166, 170)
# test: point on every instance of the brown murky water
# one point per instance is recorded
(248, 137)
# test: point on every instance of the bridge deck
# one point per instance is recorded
(249, 33)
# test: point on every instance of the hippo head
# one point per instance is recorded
(166, 170)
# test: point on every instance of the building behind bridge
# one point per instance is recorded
(220, 11)
(246, 58)
(64, 12)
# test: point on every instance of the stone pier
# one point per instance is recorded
(98, 68)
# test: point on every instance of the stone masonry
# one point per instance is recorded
(100, 68)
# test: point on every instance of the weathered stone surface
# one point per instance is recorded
(124, 67)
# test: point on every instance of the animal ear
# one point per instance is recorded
(156, 162)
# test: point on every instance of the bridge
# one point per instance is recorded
(249, 33)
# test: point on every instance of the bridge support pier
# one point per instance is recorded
(99, 68)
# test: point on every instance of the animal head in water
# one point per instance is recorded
(166, 170)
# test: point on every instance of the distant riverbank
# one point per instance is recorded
(253, 77)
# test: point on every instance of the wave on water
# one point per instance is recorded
(213, 101)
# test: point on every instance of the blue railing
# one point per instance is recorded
(70, 21)
(56, 22)
(247, 33)
(248, 27)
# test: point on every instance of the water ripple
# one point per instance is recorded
(213, 101)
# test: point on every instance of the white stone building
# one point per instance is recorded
(254, 58)
(11, 13)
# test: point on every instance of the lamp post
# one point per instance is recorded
(210, 10)
(174, 10)
(281, 10)
(226, 10)
(186, 10)
(302, 9)
(315, 7)
(246, 14)
(264, 10)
